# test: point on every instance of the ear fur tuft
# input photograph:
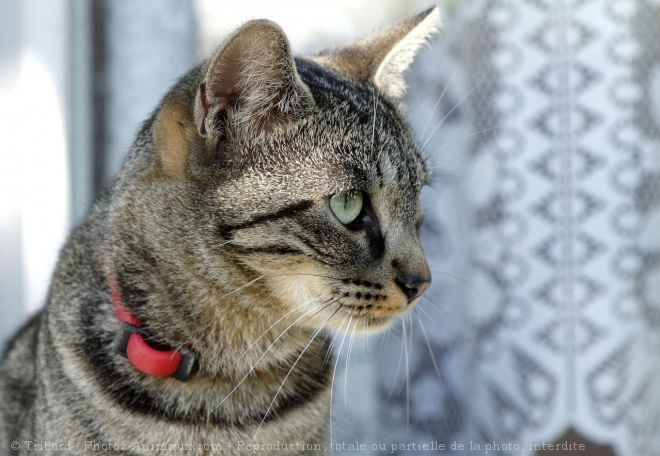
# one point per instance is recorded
(389, 75)
(383, 57)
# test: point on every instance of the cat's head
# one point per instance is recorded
(298, 179)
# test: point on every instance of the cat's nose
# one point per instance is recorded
(413, 285)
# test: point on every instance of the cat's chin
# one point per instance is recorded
(375, 324)
(366, 325)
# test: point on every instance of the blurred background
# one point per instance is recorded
(541, 120)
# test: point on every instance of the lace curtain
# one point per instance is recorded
(543, 233)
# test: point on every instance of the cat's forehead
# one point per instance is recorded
(354, 140)
(362, 132)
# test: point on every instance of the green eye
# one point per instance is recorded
(347, 206)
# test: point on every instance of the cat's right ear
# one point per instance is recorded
(383, 57)
(251, 80)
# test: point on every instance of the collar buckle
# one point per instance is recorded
(151, 355)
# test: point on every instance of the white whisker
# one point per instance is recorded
(348, 358)
(437, 103)
(243, 286)
(279, 320)
(428, 344)
(373, 127)
(451, 275)
(460, 102)
(456, 141)
(398, 366)
(421, 309)
(261, 357)
(295, 363)
(405, 344)
(334, 371)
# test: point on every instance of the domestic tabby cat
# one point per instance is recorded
(267, 202)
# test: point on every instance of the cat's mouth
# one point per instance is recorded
(363, 305)
(366, 307)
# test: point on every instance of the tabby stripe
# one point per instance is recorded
(314, 247)
(288, 211)
(281, 250)
(276, 249)
(61, 380)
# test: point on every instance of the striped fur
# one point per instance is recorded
(219, 233)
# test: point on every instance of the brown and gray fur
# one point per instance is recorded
(219, 234)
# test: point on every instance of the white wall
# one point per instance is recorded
(34, 176)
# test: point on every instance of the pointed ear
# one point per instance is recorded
(251, 80)
(383, 57)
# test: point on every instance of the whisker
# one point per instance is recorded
(306, 274)
(348, 357)
(437, 103)
(332, 342)
(451, 275)
(279, 320)
(436, 304)
(456, 141)
(327, 304)
(373, 127)
(437, 178)
(465, 97)
(454, 317)
(243, 286)
(262, 356)
(384, 341)
(421, 309)
(405, 344)
(398, 366)
(295, 363)
(436, 166)
(428, 344)
(334, 371)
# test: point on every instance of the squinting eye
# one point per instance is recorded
(347, 206)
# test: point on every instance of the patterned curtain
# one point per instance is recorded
(543, 234)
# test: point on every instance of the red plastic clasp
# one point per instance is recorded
(135, 344)
(130, 342)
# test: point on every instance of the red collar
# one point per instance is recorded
(130, 342)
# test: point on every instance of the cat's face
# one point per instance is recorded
(327, 209)
(308, 177)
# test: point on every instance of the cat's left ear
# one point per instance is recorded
(254, 76)
(383, 57)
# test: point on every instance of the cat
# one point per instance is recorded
(268, 202)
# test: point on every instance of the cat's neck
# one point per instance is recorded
(230, 335)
